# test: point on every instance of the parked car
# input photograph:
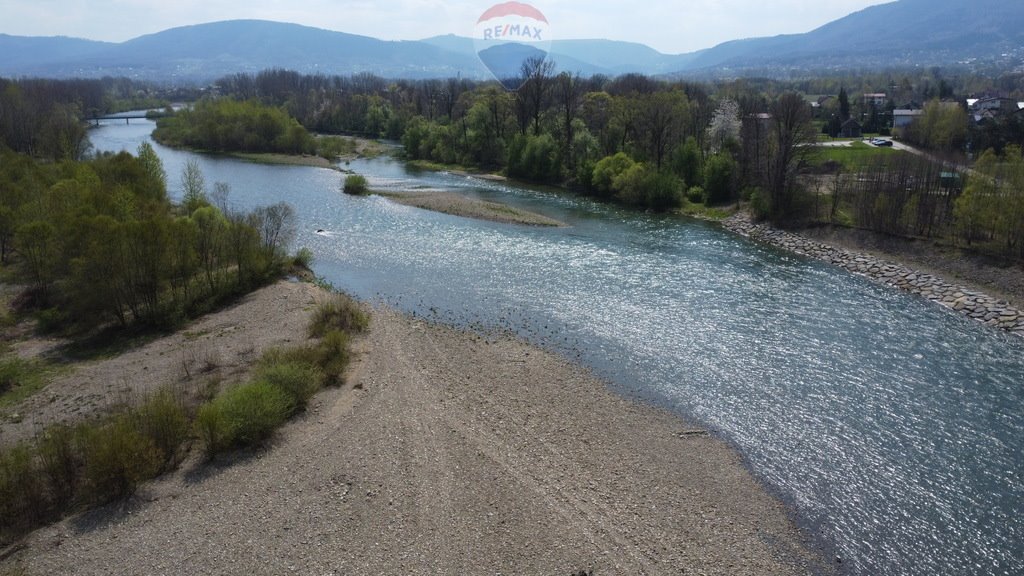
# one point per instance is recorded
(881, 142)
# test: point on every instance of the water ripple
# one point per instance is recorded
(894, 428)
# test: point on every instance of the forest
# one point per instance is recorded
(660, 144)
(98, 241)
(228, 125)
(652, 143)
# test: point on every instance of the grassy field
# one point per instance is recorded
(851, 157)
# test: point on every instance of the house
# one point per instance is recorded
(981, 116)
(876, 99)
(994, 104)
(903, 118)
(989, 108)
(851, 129)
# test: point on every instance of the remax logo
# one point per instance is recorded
(509, 35)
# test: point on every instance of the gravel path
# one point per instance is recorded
(449, 454)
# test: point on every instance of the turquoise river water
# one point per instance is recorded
(892, 428)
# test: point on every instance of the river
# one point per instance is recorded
(893, 428)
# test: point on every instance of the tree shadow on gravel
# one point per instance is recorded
(108, 515)
(204, 469)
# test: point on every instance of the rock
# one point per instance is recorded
(969, 303)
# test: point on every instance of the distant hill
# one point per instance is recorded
(979, 33)
(506, 61)
(903, 33)
(207, 51)
(588, 57)
(37, 52)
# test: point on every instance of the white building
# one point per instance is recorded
(903, 118)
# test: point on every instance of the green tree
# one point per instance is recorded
(607, 170)
(37, 244)
(211, 231)
(687, 163)
(534, 158)
(154, 169)
(644, 186)
(193, 187)
(719, 179)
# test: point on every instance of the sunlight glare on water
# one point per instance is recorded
(893, 427)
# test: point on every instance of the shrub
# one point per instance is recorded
(60, 461)
(356, 185)
(718, 179)
(607, 170)
(338, 313)
(333, 356)
(162, 419)
(242, 416)
(663, 191)
(21, 376)
(11, 373)
(686, 162)
(117, 458)
(211, 427)
(303, 258)
(642, 185)
(534, 158)
(759, 204)
(748, 192)
(22, 497)
(695, 194)
(299, 380)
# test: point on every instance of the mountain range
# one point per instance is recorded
(904, 33)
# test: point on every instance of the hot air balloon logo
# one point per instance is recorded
(509, 36)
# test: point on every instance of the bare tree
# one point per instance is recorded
(276, 225)
(221, 192)
(569, 90)
(791, 131)
(193, 186)
(660, 122)
(536, 75)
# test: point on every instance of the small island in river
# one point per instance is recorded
(459, 205)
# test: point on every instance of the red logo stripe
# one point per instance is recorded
(512, 9)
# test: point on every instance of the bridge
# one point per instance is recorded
(128, 116)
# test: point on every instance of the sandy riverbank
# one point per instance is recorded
(216, 347)
(459, 205)
(447, 453)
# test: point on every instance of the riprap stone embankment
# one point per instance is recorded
(971, 303)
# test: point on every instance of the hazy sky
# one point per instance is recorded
(667, 25)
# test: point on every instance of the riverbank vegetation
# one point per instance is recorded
(356, 185)
(45, 118)
(228, 125)
(98, 244)
(69, 468)
(654, 144)
(697, 148)
(246, 127)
